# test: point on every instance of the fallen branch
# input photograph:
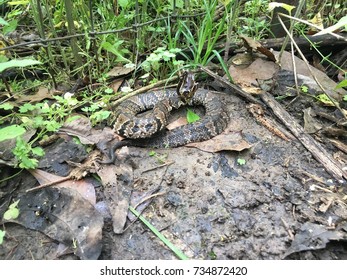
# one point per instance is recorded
(318, 152)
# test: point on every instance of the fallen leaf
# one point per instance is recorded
(140, 200)
(81, 127)
(176, 123)
(83, 187)
(115, 85)
(120, 71)
(260, 69)
(118, 184)
(41, 94)
(6, 147)
(256, 46)
(313, 237)
(304, 75)
(63, 215)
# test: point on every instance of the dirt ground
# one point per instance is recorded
(208, 204)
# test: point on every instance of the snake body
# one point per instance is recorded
(148, 130)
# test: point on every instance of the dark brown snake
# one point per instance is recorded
(149, 130)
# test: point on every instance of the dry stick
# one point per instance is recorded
(157, 167)
(144, 89)
(318, 152)
(309, 143)
(314, 26)
(49, 184)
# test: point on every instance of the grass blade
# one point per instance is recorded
(172, 247)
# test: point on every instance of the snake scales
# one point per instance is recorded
(149, 130)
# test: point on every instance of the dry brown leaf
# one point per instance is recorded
(63, 215)
(260, 69)
(179, 122)
(120, 71)
(82, 128)
(115, 85)
(118, 184)
(41, 94)
(84, 188)
(256, 46)
(311, 125)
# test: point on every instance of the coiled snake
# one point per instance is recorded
(148, 130)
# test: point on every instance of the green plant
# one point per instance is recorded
(24, 153)
(160, 158)
(2, 235)
(202, 41)
(253, 22)
(155, 231)
(12, 212)
(241, 161)
(191, 116)
(160, 61)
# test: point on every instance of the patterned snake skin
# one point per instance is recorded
(149, 130)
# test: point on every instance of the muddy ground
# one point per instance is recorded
(212, 207)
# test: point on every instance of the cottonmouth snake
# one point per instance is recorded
(148, 130)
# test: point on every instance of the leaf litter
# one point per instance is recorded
(249, 202)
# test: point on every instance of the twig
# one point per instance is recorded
(313, 25)
(144, 89)
(290, 232)
(50, 184)
(318, 152)
(156, 167)
(148, 197)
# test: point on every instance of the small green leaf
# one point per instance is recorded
(123, 3)
(2, 235)
(28, 163)
(17, 63)
(26, 107)
(12, 25)
(52, 125)
(108, 90)
(12, 211)
(6, 106)
(345, 97)
(324, 99)
(73, 118)
(10, 132)
(3, 22)
(152, 153)
(100, 115)
(341, 84)
(38, 151)
(191, 116)
(241, 161)
(304, 89)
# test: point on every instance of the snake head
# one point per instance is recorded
(187, 86)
